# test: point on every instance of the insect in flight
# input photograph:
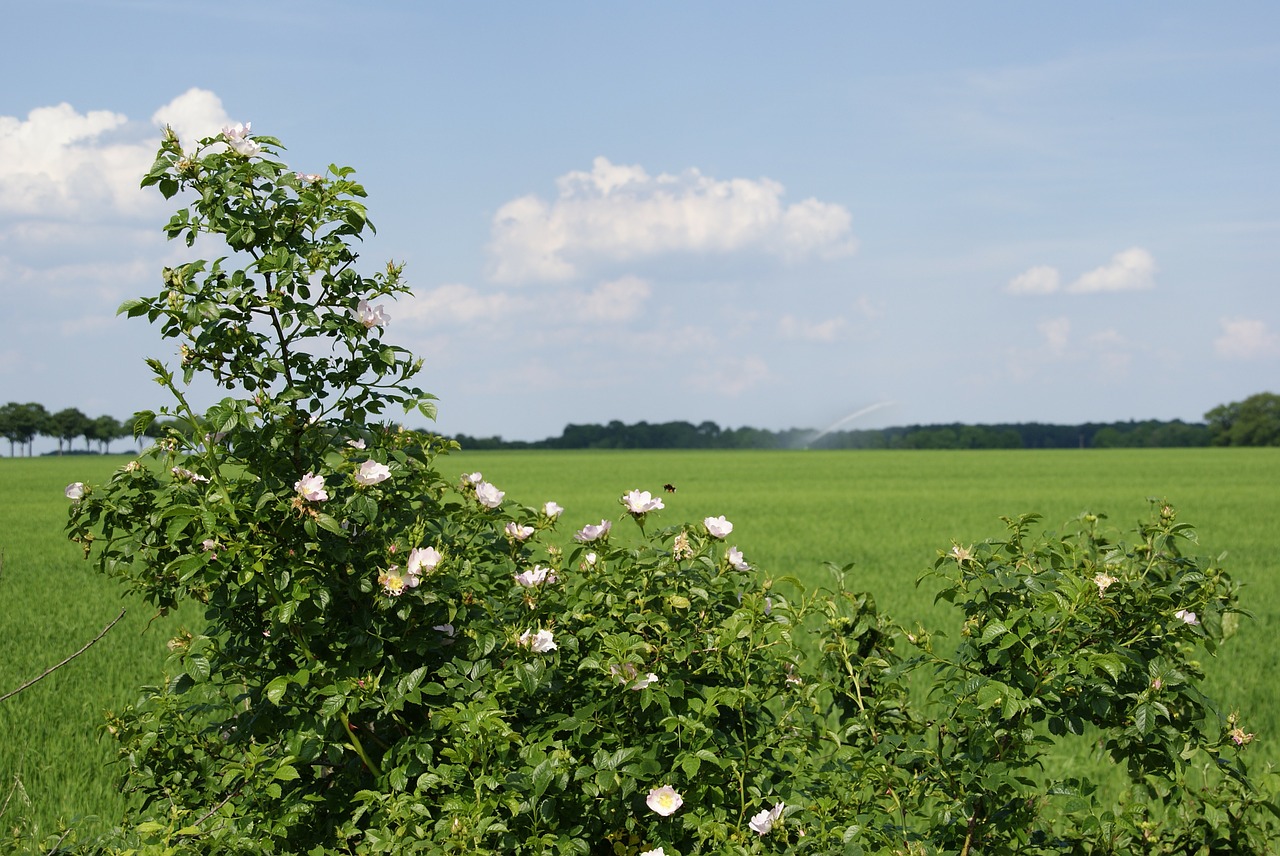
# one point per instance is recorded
(669, 487)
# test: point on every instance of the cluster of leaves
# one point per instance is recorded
(396, 661)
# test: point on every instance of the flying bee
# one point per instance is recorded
(669, 487)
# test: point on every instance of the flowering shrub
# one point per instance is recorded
(398, 661)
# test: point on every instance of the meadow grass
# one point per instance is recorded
(888, 512)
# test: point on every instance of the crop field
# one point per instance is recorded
(890, 513)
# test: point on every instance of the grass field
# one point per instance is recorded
(890, 512)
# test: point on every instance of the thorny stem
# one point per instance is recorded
(49, 671)
(354, 742)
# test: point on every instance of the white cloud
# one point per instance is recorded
(618, 300)
(1041, 279)
(453, 304)
(732, 377)
(1056, 333)
(813, 331)
(60, 164)
(10, 361)
(1246, 339)
(57, 164)
(867, 309)
(1130, 270)
(617, 212)
(1108, 338)
(194, 114)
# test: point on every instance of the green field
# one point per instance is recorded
(888, 512)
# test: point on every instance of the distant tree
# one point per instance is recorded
(21, 424)
(66, 425)
(1252, 422)
(104, 430)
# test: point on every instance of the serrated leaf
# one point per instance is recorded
(993, 630)
(198, 668)
(277, 688)
(543, 775)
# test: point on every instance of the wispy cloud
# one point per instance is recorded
(1056, 332)
(1041, 279)
(619, 213)
(618, 300)
(1129, 270)
(813, 331)
(732, 376)
(1246, 339)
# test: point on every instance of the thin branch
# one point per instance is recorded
(58, 843)
(211, 812)
(49, 671)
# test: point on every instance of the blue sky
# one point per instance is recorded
(758, 214)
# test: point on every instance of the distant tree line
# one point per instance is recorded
(21, 424)
(1252, 422)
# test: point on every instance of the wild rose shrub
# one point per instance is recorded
(398, 660)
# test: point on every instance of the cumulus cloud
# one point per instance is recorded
(1129, 270)
(732, 377)
(193, 115)
(618, 300)
(58, 163)
(1041, 279)
(813, 331)
(453, 305)
(1056, 333)
(617, 213)
(1246, 339)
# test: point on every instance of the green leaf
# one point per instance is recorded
(286, 773)
(543, 775)
(327, 523)
(993, 630)
(277, 688)
(198, 668)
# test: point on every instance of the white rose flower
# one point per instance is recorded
(488, 495)
(535, 576)
(592, 532)
(372, 472)
(664, 800)
(764, 821)
(372, 316)
(75, 491)
(394, 583)
(539, 643)
(423, 560)
(516, 532)
(639, 502)
(736, 560)
(718, 527)
(552, 510)
(311, 487)
(237, 137)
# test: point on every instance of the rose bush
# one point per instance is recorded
(398, 661)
